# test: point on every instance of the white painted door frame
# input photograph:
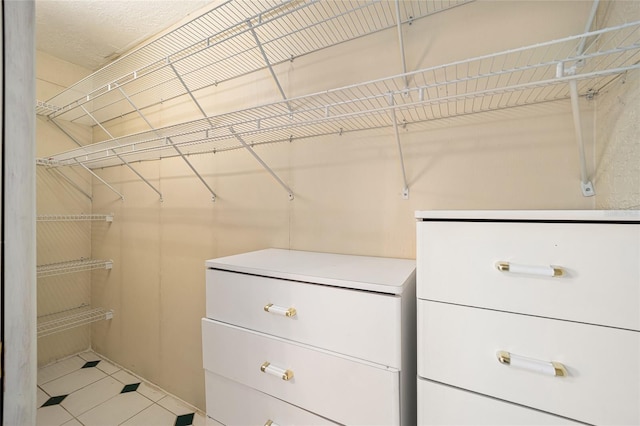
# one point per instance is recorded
(18, 253)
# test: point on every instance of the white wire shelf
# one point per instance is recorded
(72, 266)
(74, 217)
(512, 78)
(225, 43)
(56, 323)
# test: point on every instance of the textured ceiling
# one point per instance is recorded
(91, 33)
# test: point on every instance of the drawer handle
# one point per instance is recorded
(279, 310)
(270, 423)
(285, 375)
(545, 271)
(550, 368)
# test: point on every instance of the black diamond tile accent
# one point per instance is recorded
(130, 388)
(90, 364)
(55, 400)
(185, 419)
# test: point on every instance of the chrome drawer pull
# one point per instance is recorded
(270, 423)
(550, 368)
(266, 367)
(545, 271)
(279, 310)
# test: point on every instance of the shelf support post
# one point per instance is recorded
(394, 119)
(266, 167)
(72, 183)
(83, 166)
(100, 179)
(585, 184)
(193, 169)
(119, 156)
(401, 42)
(268, 63)
(55, 123)
(193, 98)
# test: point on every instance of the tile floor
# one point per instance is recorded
(87, 389)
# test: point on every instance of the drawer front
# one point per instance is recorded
(351, 322)
(227, 403)
(601, 284)
(440, 405)
(457, 345)
(344, 390)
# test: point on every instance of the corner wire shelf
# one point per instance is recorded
(66, 320)
(73, 266)
(534, 74)
(74, 217)
(233, 39)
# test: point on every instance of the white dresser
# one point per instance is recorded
(303, 338)
(528, 317)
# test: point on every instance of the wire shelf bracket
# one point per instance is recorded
(266, 167)
(585, 184)
(193, 169)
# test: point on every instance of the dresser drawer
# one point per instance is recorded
(228, 403)
(357, 323)
(342, 389)
(457, 345)
(441, 405)
(601, 284)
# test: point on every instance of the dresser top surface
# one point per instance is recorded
(629, 216)
(380, 274)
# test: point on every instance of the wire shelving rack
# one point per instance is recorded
(74, 217)
(72, 318)
(72, 266)
(538, 73)
(233, 39)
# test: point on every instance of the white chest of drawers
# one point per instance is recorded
(496, 327)
(294, 337)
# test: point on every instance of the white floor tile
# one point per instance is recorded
(89, 356)
(210, 422)
(53, 415)
(116, 410)
(154, 415)
(59, 369)
(152, 392)
(91, 396)
(107, 367)
(175, 405)
(41, 397)
(72, 422)
(200, 420)
(73, 381)
(125, 377)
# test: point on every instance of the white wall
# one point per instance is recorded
(617, 177)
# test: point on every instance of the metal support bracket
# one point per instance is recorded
(268, 63)
(193, 169)
(401, 42)
(119, 156)
(394, 119)
(101, 180)
(266, 167)
(585, 184)
(83, 166)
